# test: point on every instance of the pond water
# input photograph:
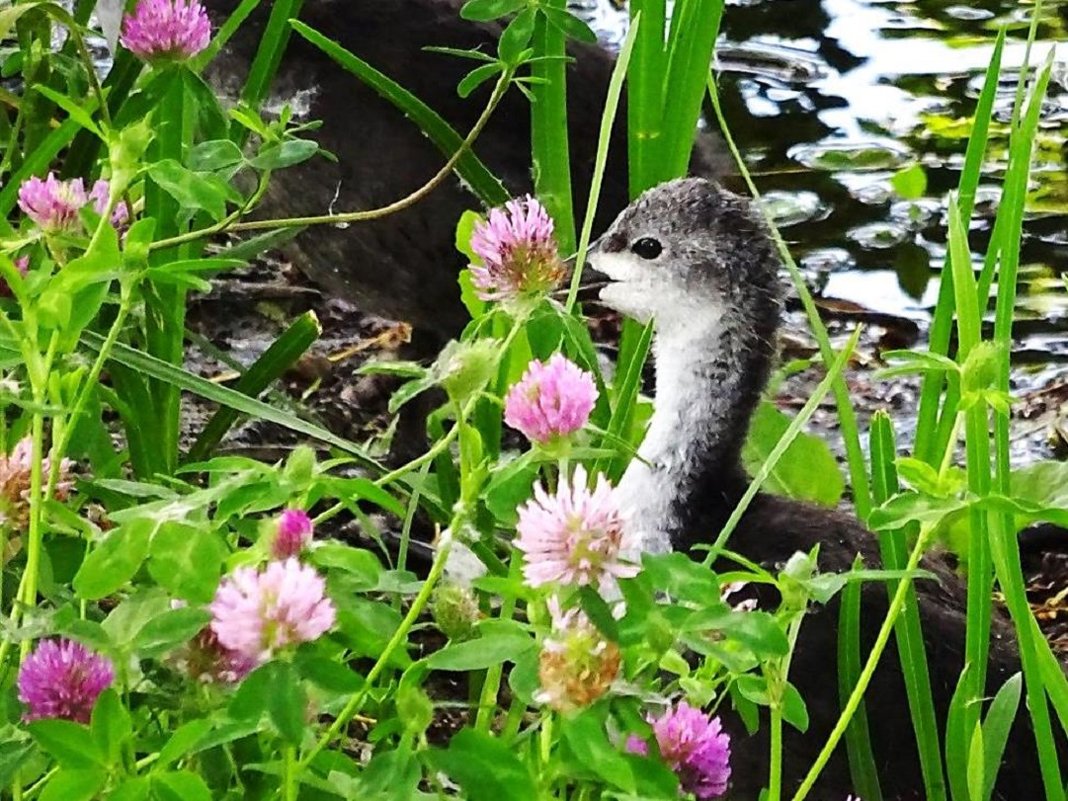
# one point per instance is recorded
(828, 98)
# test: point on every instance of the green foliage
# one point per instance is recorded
(806, 470)
(129, 565)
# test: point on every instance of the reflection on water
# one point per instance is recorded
(829, 98)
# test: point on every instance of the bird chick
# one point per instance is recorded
(698, 262)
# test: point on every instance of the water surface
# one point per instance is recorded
(829, 98)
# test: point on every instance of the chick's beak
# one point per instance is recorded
(591, 280)
(591, 276)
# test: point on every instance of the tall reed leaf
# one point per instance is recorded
(1004, 548)
(645, 92)
(862, 766)
(483, 182)
(143, 363)
(908, 632)
(548, 129)
(272, 363)
(694, 27)
(931, 439)
(977, 442)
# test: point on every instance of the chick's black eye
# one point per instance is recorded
(647, 248)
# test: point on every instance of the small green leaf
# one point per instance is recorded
(996, 729)
(794, 710)
(586, 737)
(187, 560)
(481, 653)
(182, 742)
(485, 767)
(753, 688)
(168, 630)
(180, 785)
(807, 470)
(216, 154)
(287, 703)
(571, 25)
(758, 631)
(69, 743)
(135, 789)
(681, 577)
(330, 675)
(74, 785)
(250, 700)
(486, 10)
(76, 112)
(196, 191)
(286, 154)
(357, 562)
(910, 182)
(508, 487)
(128, 618)
(110, 725)
(516, 36)
(115, 560)
(13, 755)
(476, 77)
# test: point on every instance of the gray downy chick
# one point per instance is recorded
(698, 262)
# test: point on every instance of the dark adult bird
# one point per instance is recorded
(405, 266)
(698, 262)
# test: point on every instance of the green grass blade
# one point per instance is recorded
(274, 361)
(958, 735)
(604, 138)
(626, 395)
(227, 30)
(36, 163)
(645, 92)
(834, 372)
(692, 39)
(862, 765)
(908, 632)
(184, 380)
(996, 730)
(268, 57)
(1005, 549)
(931, 439)
(484, 183)
(550, 148)
(977, 442)
(847, 418)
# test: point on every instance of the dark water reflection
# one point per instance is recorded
(829, 98)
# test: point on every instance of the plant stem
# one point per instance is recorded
(27, 597)
(399, 636)
(355, 216)
(487, 701)
(866, 674)
(834, 372)
(91, 380)
(775, 774)
(289, 790)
